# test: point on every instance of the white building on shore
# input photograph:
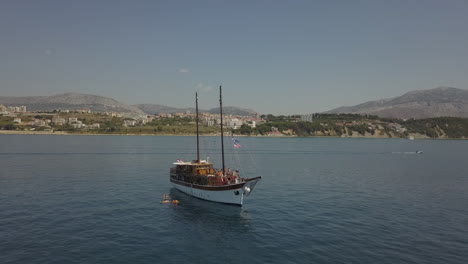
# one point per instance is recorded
(307, 118)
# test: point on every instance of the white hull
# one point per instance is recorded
(226, 196)
(234, 195)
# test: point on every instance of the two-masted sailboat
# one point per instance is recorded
(200, 179)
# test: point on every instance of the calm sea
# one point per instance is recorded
(96, 199)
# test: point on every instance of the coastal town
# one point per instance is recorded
(17, 119)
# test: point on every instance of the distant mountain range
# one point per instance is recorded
(75, 101)
(71, 101)
(157, 108)
(228, 110)
(441, 101)
(233, 110)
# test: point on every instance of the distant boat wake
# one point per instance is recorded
(409, 152)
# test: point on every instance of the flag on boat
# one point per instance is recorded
(236, 143)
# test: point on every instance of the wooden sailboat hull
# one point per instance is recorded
(228, 194)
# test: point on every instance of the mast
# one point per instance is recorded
(198, 138)
(222, 138)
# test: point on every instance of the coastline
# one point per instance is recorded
(63, 133)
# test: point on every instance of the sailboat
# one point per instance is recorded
(200, 179)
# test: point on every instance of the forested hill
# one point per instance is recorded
(354, 125)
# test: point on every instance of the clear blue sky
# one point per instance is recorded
(271, 56)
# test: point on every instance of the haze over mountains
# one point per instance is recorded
(74, 101)
(228, 110)
(71, 101)
(441, 101)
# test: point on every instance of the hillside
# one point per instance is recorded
(355, 125)
(157, 108)
(71, 101)
(74, 101)
(228, 110)
(232, 110)
(441, 101)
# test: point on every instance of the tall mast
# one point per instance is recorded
(222, 138)
(198, 138)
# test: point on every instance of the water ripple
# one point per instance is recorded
(97, 200)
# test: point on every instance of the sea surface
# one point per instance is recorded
(97, 199)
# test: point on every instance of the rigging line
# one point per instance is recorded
(196, 121)
(254, 163)
(236, 156)
(208, 143)
(241, 166)
(250, 156)
(222, 132)
(187, 155)
(241, 157)
(215, 146)
(202, 147)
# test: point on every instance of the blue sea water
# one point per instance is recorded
(96, 199)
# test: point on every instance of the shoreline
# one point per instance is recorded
(63, 133)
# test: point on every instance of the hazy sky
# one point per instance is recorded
(271, 56)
